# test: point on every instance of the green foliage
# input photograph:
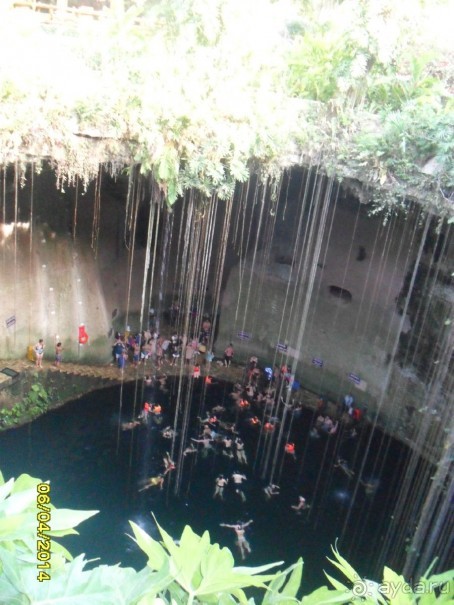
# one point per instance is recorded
(322, 61)
(192, 571)
(393, 590)
(203, 570)
(32, 405)
(191, 94)
(18, 521)
(391, 89)
(406, 141)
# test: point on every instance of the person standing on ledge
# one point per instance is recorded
(58, 354)
(39, 353)
(228, 355)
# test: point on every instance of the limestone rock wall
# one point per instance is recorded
(346, 317)
(49, 288)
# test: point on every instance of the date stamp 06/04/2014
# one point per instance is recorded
(43, 539)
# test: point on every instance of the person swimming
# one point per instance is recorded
(343, 466)
(240, 530)
(302, 505)
(220, 484)
(238, 479)
(168, 432)
(128, 426)
(271, 490)
(169, 464)
(153, 482)
(371, 486)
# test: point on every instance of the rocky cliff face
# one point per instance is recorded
(49, 288)
(52, 281)
(340, 309)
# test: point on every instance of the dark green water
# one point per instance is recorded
(77, 448)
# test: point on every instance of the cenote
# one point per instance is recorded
(93, 465)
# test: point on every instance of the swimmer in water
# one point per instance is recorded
(220, 484)
(227, 449)
(240, 530)
(302, 505)
(343, 465)
(240, 453)
(271, 490)
(238, 479)
(169, 464)
(128, 426)
(190, 449)
(206, 441)
(153, 482)
(370, 486)
(168, 432)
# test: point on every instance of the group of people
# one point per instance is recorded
(38, 351)
(160, 349)
(265, 399)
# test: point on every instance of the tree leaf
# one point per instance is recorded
(157, 556)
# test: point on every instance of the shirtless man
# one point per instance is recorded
(220, 484)
(206, 441)
(240, 530)
(240, 453)
(238, 479)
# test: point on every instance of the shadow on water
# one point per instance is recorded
(76, 448)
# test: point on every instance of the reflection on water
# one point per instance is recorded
(76, 448)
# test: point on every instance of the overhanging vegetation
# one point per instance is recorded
(203, 92)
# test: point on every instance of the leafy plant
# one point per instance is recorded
(192, 571)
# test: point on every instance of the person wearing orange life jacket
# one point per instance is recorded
(244, 404)
(145, 412)
(269, 427)
(196, 372)
(254, 421)
(290, 450)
